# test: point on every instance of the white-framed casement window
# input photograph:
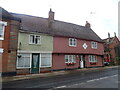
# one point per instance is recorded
(2, 29)
(94, 44)
(72, 42)
(70, 58)
(23, 61)
(34, 39)
(92, 58)
(46, 60)
(1, 50)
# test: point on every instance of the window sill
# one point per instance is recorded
(94, 48)
(72, 46)
(34, 44)
(45, 66)
(23, 67)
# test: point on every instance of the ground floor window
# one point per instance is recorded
(92, 58)
(23, 61)
(70, 59)
(46, 60)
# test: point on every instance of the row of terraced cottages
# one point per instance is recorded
(30, 44)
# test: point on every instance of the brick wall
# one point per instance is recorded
(5, 45)
(14, 28)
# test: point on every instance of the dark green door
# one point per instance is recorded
(35, 63)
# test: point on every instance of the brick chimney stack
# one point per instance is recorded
(51, 16)
(87, 25)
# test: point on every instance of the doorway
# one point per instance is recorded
(35, 63)
(82, 61)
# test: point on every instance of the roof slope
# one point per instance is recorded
(58, 28)
(110, 40)
(6, 15)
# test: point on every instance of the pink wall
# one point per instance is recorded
(98, 63)
(58, 62)
(61, 45)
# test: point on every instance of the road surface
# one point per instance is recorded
(106, 78)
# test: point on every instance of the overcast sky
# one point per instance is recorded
(103, 19)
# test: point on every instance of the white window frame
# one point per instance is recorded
(68, 57)
(74, 41)
(34, 39)
(92, 58)
(94, 45)
(1, 50)
(4, 24)
(50, 60)
(24, 67)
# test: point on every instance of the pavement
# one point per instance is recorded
(54, 73)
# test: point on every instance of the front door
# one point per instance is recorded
(35, 63)
(81, 61)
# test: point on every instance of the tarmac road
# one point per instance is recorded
(104, 78)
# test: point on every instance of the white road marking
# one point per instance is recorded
(104, 78)
(78, 84)
(101, 78)
(61, 86)
(90, 80)
(114, 75)
(93, 80)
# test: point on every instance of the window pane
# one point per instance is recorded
(27, 62)
(35, 60)
(94, 44)
(70, 41)
(74, 58)
(37, 39)
(92, 58)
(66, 58)
(74, 43)
(46, 60)
(24, 61)
(1, 30)
(32, 39)
(70, 58)
(20, 62)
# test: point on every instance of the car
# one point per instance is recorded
(106, 63)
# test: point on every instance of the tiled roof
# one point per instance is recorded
(110, 40)
(5, 14)
(58, 28)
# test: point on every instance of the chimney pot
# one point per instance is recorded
(51, 15)
(114, 33)
(87, 25)
(108, 35)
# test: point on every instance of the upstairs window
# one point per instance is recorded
(72, 42)
(92, 58)
(34, 39)
(94, 45)
(2, 27)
